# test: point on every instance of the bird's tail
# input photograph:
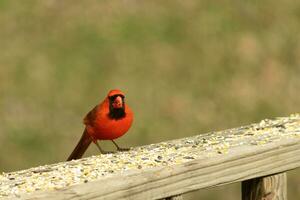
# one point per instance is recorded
(81, 147)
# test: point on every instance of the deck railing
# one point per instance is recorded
(258, 155)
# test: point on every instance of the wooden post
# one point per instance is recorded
(265, 188)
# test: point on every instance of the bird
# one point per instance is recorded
(108, 120)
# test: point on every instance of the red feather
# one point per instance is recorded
(100, 126)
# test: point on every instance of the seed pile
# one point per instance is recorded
(61, 175)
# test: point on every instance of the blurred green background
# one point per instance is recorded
(187, 67)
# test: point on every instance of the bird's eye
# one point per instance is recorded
(115, 96)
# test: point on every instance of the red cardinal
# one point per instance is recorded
(107, 121)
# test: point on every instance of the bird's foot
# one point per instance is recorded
(107, 152)
(123, 149)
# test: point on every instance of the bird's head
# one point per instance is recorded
(116, 104)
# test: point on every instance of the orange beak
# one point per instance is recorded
(118, 102)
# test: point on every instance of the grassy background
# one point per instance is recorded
(187, 67)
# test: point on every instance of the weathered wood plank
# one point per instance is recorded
(272, 187)
(167, 169)
(163, 182)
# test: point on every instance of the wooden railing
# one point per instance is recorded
(257, 155)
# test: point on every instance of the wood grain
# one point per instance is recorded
(242, 164)
(172, 168)
(272, 187)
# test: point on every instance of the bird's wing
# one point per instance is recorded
(91, 116)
